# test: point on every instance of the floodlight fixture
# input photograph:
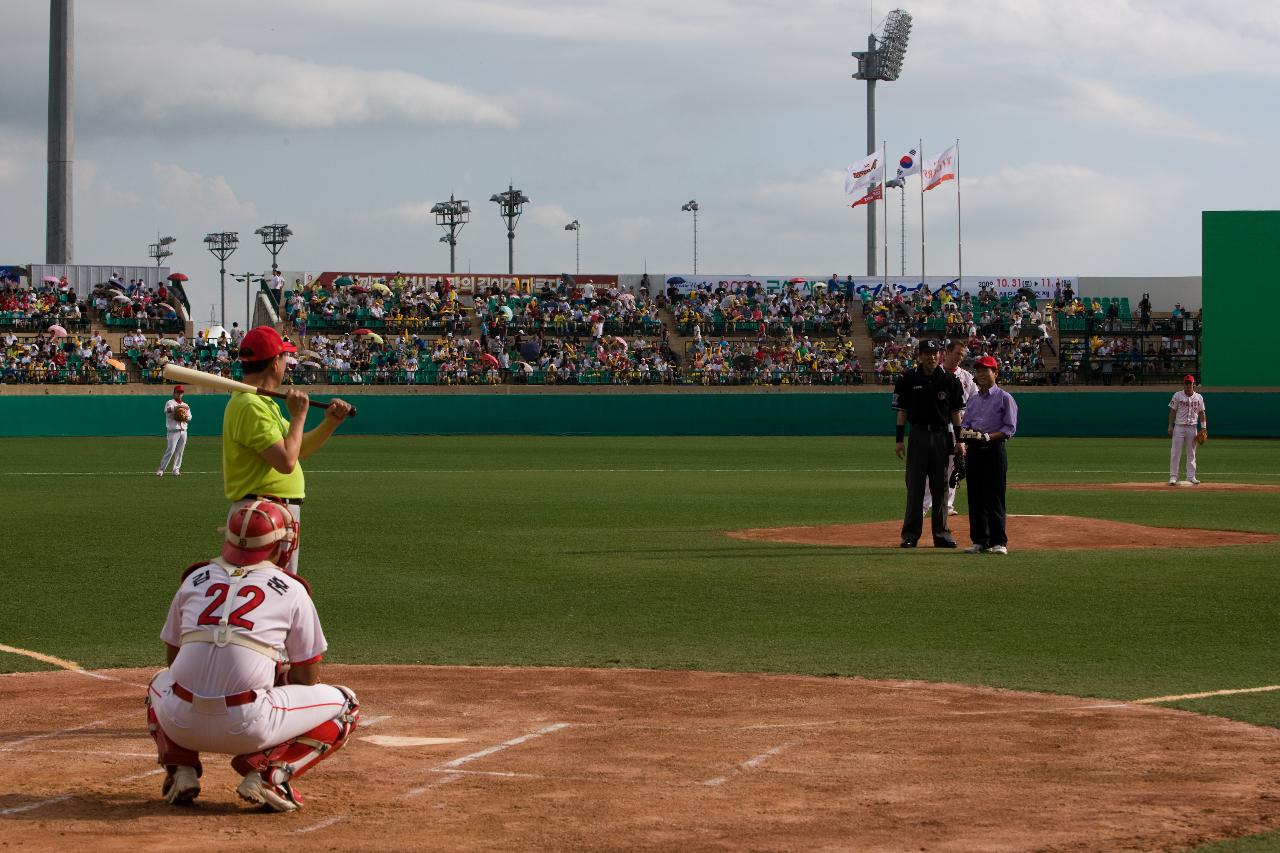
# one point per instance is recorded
(222, 244)
(882, 60)
(451, 215)
(274, 237)
(692, 207)
(510, 205)
(576, 228)
(160, 249)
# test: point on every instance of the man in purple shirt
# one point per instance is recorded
(990, 419)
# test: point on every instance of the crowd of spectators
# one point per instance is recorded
(48, 359)
(569, 309)
(395, 304)
(133, 304)
(774, 361)
(747, 308)
(36, 307)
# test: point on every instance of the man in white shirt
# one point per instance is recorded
(177, 415)
(244, 645)
(1186, 413)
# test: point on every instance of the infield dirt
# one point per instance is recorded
(570, 759)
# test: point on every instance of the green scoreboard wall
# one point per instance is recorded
(1240, 261)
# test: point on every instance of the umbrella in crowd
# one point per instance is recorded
(120, 297)
(342, 281)
(382, 288)
(311, 365)
(116, 363)
(797, 280)
(531, 349)
(50, 279)
(166, 342)
(306, 353)
(372, 335)
(177, 276)
(675, 280)
(359, 288)
(506, 312)
(57, 331)
(489, 360)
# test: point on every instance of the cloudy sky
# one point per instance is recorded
(1092, 133)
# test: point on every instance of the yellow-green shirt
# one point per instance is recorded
(251, 424)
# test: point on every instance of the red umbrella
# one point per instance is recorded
(359, 288)
(798, 281)
(51, 279)
(363, 332)
(57, 331)
(488, 358)
(177, 276)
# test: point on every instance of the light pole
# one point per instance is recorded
(222, 244)
(509, 204)
(576, 228)
(274, 237)
(160, 250)
(247, 278)
(882, 60)
(692, 206)
(451, 215)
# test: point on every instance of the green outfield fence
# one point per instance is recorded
(1043, 413)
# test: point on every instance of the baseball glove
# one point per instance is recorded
(182, 414)
(959, 468)
(1202, 436)
(974, 435)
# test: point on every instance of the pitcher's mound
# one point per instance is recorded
(1026, 533)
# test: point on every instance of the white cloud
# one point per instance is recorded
(218, 84)
(549, 216)
(1099, 102)
(213, 198)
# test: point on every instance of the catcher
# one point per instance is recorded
(231, 623)
(177, 415)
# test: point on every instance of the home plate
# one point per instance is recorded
(390, 740)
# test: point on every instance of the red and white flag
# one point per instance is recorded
(941, 168)
(864, 172)
(874, 194)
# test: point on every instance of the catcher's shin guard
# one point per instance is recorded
(293, 758)
(169, 753)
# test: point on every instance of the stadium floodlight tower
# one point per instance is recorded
(882, 60)
(274, 237)
(451, 215)
(160, 250)
(222, 244)
(510, 204)
(692, 206)
(576, 228)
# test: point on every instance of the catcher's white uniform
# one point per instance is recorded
(222, 698)
(1188, 412)
(175, 437)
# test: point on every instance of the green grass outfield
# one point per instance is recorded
(609, 552)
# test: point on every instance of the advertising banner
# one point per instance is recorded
(1042, 286)
(466, 284)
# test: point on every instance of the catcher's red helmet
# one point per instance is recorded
(261, 530)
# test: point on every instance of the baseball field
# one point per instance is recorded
(1078, 695)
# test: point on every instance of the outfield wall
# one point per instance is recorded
(1043, 413)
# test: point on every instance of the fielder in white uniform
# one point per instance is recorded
(238, 625)
(1186, 418)
(175, 431)
(952, 355)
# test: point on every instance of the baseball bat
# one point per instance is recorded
(177, 373)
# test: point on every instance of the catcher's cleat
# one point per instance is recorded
(278, 797)
(181, 786)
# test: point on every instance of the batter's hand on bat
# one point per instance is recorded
(339, 410)
(297, 402)
(900, 448)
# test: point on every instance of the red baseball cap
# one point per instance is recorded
(178, 389)
(988, 361)
(1189, 378)
(263, 342)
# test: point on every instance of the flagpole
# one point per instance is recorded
(959, 232)
(884, 199)
(922, 161)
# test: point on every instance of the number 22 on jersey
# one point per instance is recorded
(218, 592)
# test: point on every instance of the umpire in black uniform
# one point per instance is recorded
(931, 401)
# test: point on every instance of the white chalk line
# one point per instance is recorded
(13, 746)
(467, 759)
(1189, 696)
(32, 806)
(67, 665)
(749, 764)
(366, 722)
(324, 824)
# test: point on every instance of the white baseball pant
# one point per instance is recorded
(175, 443)
(1184, 438)
(277, 715)
(296, 511)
